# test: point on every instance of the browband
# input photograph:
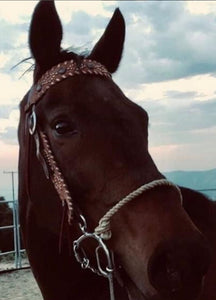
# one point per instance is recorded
(62, 71)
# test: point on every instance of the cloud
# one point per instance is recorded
(16, 12)
(180, 111)
(186, 124)
(14, 89)
(201, 7)
(8, 126)
(14, 45)
(79, 33)
(173, 93)
(66, 9)
(176, 44)
(5, 111)
(9, 136)
(180, 95)
(184, 157)
(12, 36)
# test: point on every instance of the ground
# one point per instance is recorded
(19, 285)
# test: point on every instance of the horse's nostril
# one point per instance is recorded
(164, 274)
(178, 269)
(173, 278)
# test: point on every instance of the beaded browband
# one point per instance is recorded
(62, 71)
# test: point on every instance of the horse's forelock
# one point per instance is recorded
(64, 55)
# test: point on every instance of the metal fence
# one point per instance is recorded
(17, 251)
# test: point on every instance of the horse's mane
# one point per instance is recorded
(201, 210)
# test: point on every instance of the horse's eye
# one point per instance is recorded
(64, 127)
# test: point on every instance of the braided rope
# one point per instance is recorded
(57, 177)
(103, 229)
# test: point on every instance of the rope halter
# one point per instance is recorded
(103, 229)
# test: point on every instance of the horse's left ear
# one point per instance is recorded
(45, 34)
(108, 50)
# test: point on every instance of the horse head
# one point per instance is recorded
(97, 139)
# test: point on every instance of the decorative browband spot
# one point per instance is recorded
(62, 71)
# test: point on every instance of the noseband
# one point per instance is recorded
(52, 171)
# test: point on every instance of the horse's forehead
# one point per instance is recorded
(93, 95)
(82, 92)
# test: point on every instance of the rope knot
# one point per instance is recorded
(103, 229)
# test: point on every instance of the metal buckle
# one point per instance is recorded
(32, 121)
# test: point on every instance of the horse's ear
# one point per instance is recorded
(45, 33)
(108, 50)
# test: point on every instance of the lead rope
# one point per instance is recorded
(104, 230)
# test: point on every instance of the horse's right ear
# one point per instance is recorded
(45, 33)
(108, 50)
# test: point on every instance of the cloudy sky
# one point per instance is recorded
(168, 67)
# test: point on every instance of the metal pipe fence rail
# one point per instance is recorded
(17, 251)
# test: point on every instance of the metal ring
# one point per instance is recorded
(82, 223)
(32, 121)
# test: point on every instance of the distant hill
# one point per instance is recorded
(197, 180)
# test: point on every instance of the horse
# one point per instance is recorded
(98, 219)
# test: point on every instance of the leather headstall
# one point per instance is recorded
(44, 152)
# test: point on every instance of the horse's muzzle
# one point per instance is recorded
(177, 269)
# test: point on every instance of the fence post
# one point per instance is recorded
(15, 234)
(17, 226)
